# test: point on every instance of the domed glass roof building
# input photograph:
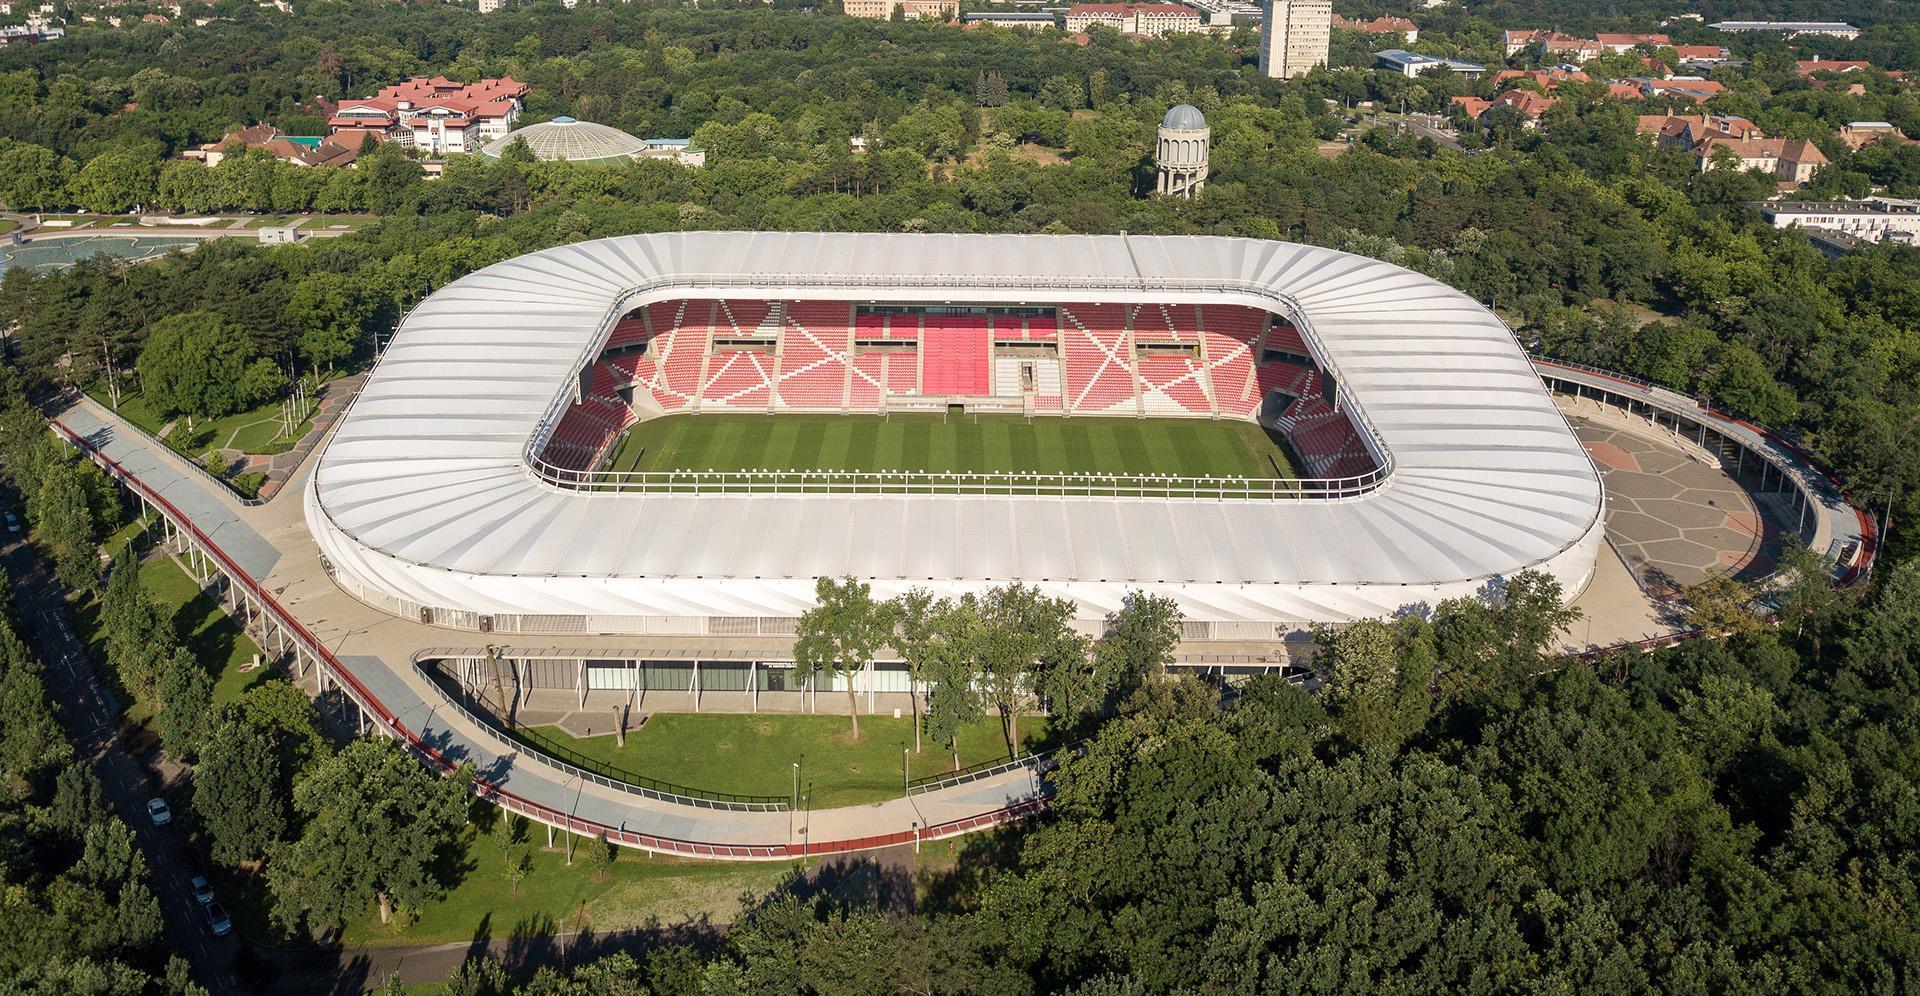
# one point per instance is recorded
(1184, 117)
(574, 141)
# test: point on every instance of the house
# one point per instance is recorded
(1792, 160)
(1691, 87)
(1149, 20)
(1808, 67)
(1574, 50)
(1857, 135)
(1703, 54)
(1546, 78)
(1711, 138)
(1616, 42)
(1407, 30)
(1531, 106)
(1685, 131)
(437, 115)
(1519, 41)
(1412, 64)
(339, 149)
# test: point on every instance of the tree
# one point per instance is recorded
(239, 793)
(373, 824)
(841, 634)
(198, 365)
(1022, 634)
(1138, 644)
(138, 637)
(186, 703)
(327, 312)
(931, 639)
(63, 514)
(949, 670)
(1375, 690)
(510, 836)
(1720, 606)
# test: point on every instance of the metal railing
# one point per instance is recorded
(820, 482)
(1040, 762)
(578, 765)
(699, 482)
(389, 724)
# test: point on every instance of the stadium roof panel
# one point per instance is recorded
(424, 494)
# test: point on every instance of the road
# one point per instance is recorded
(1424, 125)
(91, 718)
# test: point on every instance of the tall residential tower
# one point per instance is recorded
(1293, 36)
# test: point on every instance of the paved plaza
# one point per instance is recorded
(1674, 512)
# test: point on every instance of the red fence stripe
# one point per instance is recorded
(482, 787)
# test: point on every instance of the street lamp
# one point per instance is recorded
(794, 802)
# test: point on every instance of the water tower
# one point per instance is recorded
(1180, 157)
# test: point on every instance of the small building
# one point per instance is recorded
(1621, 42)
(1859, 134)
(910, 10)
(1519, 41)
(1025, 20)
(1791, 29)
(1412, 64)
(1705, 55)
(1148, 20)
(1406, 30)
(1574, 50)
(279, 236)
(1878, 219)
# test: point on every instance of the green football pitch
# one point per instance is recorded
(980, 444)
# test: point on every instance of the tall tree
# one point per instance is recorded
(841, 634)
(201, 366)
(186, 703)
(1023, 635)
(239, 793)
(374, 822)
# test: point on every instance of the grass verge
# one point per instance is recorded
(755, 754)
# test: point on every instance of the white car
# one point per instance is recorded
(158, 812)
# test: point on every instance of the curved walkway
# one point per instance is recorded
(368, 654)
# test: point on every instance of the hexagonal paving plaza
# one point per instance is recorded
(1674, 519)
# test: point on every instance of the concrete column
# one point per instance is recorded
(580, 680)
(753, 683)
(693, 686)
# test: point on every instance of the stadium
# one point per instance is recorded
(677, 434)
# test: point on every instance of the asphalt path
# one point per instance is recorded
(91, 717)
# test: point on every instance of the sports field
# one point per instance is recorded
(980, 444)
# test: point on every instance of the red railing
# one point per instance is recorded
(487, 790)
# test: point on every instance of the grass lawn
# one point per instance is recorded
(204, 627)
(256, 432)
(8, 225)
(754, 754)
(272, 221)
(557, 897)
(338, 222)
(966, 443)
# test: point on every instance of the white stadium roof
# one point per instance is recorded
(425, 497)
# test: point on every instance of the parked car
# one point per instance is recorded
(217, 920)
(13, 523)
(202, 890)
(158, 812)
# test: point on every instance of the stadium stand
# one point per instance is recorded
(1173, 385)
(958, 351)
(814, 352)
(1098, 360)
(738, 378)
(1148, 360)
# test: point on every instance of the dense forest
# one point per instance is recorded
(1456, 810)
